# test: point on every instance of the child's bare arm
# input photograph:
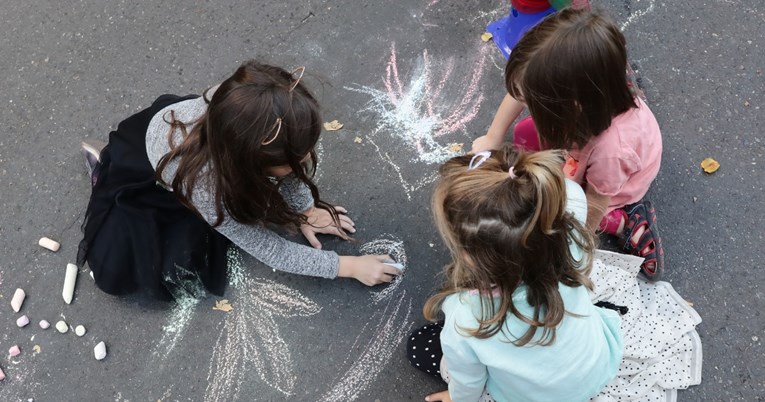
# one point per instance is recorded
(596, 207)
(508, 111)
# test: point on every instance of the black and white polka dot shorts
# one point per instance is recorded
(423, 348)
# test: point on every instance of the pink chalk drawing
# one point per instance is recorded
(423, 113)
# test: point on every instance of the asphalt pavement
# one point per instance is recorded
(410, 80)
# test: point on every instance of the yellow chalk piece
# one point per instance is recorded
(37, 349)
(357, 140)
(710, 165)
(486, 37)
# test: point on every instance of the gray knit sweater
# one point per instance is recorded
(262, 243)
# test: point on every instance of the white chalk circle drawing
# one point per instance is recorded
(394, 248)
(424, 112)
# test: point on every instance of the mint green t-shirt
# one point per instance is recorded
(584, 357)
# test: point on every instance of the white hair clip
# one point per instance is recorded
(478, 159)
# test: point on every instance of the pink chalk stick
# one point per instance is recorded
(22, 321)
(2, 375)
(14, 351)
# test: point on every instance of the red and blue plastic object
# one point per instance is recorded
(506, 32)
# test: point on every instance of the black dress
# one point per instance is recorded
(137, 235)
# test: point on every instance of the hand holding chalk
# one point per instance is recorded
(370, 270)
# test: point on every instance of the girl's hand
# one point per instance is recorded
(439, 396)
(487, 143)
(320, 221)
(367, 269)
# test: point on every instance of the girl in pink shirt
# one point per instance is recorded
(569, 70)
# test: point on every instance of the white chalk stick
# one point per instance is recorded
(395, 265)
(100, 351)
(44, 324)
(22, 321)
(79, 330)
(69, 280)
(51, 245)
(14, 351)
(2, 375)
(18, 299)
(62, 326)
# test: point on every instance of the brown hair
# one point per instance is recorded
(570, 70)
(258, 118)
(505, 231)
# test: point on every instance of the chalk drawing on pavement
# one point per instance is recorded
(421, 114)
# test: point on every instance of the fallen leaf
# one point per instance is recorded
(37, 349)
(746, 103)
(486, 37)
(456, 147)
(357, 140)
(710, 165)
(333, 125)
(223, 305)
(689, 303)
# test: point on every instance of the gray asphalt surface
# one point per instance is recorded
(74, 69)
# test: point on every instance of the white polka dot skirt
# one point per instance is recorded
(662, 348)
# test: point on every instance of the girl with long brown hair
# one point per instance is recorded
(519, 323)
(570, 70)
(182, 180)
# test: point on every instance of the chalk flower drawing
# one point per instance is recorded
(424, 111)
(380, 341)
(251, 340)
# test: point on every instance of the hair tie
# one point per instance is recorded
(511, 172)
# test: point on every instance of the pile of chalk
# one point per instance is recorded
(17, 302)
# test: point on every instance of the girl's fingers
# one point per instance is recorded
(311, 237)
(346, 219)
(341, 209)
(391, 272)
(347, 226)
(383, 258)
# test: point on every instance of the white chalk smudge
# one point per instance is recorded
(393, 326)
(251, 338)
(488, 16)
(394, 248)
(638, 14)
(408, 187)
(177, 322)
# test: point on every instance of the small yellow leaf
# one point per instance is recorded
(37, 349)
(710, 165)
(333, 125)
(223, 305)
(456, 147)
(486, 37)
(357, 140)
